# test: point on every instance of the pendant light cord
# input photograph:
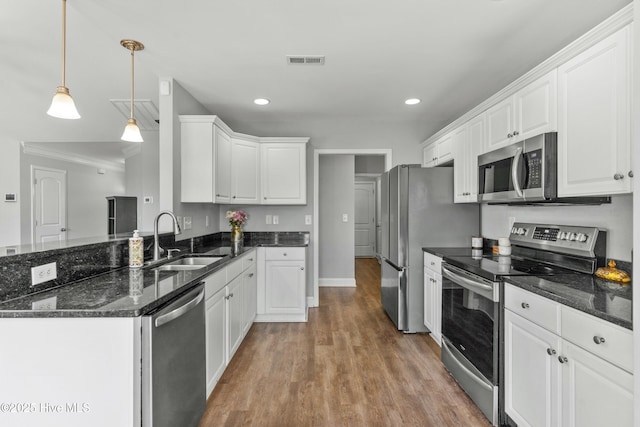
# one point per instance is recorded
(64, 41)
(132, 68)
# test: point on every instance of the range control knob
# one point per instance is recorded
(562, 235)
(521, 231)
(572, 236)
(581, 237)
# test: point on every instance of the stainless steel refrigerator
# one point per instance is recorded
(418, 211)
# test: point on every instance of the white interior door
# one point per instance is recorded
(49, 205)
(365, 219)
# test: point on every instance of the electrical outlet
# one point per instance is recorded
(268, 219)
(307, 219)
(43, 273)
(276, 220)
(45, 304)
(187, 223)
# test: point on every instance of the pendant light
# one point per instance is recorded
(131, 131)
(62, 105)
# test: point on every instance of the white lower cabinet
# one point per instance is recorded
(433, 296)
(282, 288)
(229, 302)
(552, 379)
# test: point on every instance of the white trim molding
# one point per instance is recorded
(344, 282)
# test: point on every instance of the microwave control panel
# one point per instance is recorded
(534, 168)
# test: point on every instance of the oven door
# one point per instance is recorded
(470, 322)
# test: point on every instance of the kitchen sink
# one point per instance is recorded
(188, 263)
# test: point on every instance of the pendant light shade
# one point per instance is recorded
(62, 105)
(131, 131)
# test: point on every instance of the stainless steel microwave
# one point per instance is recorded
(525, 171)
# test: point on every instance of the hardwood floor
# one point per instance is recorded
(347, 366)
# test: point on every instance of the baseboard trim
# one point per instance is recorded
(337, 283)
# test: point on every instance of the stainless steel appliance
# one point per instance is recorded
(417, 211)
(173, 362)
(525, 172)
(472, 298)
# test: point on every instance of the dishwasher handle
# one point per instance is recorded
(183, 309)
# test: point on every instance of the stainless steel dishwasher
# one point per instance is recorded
(173, 362)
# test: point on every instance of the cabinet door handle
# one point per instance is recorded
(551, 351)
(618, 176)
(509, 135)
(251, 259)
(231, 295)
(217, 195)
(525, 305)
(515, 133)
(598, 340)
(301, 268)
(563, 359)
(284, 254)
(630, 174)
(233, 197)
(251, 275)
(433, 263)
(63, 229)
(265, 198)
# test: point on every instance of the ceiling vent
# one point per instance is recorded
(305, 59)
(145, 112)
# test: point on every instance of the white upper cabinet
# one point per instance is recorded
(284, 173)
(245, 173)
(438, 152)
(222, 171)
(530, 111)
(222, 166)
(468, 142)
(594, 150)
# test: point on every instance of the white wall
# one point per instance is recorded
(171, 107)
(336, 198)
(86, 196)
(10, 183)
(615, 217)
(141, 178)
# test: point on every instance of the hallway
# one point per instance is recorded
(347, 366)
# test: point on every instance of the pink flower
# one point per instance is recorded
(236, 218)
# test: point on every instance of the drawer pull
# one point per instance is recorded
(433, 263)
(525, 305)
(251, 275)
(551, 351)
(251, 259)
(598, 340)
(563, 359)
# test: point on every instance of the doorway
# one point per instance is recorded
(313, 301)
(48, 205)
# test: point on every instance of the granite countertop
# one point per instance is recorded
(443, 252)
(127, 292)
(601, 298)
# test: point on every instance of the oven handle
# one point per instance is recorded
(473, 285)
(515, 166)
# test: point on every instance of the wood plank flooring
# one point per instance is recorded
(347, 366)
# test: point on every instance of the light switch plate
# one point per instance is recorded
(307, 219)
(187, 223)
(345, 217)
(45, 304)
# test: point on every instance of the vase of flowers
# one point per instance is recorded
(236, 219)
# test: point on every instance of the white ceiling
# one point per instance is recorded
(452, 54)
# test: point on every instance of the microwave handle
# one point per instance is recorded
(515, 166)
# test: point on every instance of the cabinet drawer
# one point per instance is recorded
(234, 268)
(283, 254)
(611, 342)
(536, 308)
(433, 262)
(249, 260)
(214, 282)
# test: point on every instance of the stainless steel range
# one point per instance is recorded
(472, 295)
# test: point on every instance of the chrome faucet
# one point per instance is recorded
(156, 244)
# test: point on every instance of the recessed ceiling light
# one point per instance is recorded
(412, 101)
(261, 101)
